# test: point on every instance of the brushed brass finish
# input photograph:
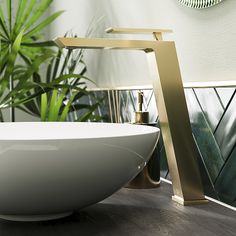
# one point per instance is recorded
(157, 33)
(143, 180)
(101, 43)
(188, 202)
(182, 153)
(141, 117)
(136, 30)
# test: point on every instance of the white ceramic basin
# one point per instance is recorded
(47, 170)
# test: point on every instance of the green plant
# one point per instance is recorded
(55, 113)
(22, 83)
(59, 106)
(19, 41)
(70, 83)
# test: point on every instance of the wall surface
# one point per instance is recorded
(205, 39)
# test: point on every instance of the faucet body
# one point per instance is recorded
(181, 151)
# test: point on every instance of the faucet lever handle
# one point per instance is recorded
(157, 33)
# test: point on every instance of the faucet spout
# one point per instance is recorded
(101, 43)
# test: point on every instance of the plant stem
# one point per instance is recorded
(12, 109)
(1, 116)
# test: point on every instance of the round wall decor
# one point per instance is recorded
(200, 3)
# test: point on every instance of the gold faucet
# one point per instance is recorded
(181, 151)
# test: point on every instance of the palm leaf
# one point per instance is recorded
(56, 64)
(1, 117)
(34, 67)
(19, 13)
(43, 106)
(70, 76)
(87, 115)
(3, 56)
(67, 108)
(22, 78)
(54, 112)
(37, 79)
(66, 61)
(43, 24)
(32, 108)
(20, 16)
(9, 11)
(3, 36)
(52, 104)
(49, 43)
(11, 61)
(26, 110)
(3, 25)
(81, 94)
(25, 59)
(25, 16)
(79, 106)
(20, 98)
(49, 71)
(38, 12)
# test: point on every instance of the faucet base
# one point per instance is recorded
(189, 202)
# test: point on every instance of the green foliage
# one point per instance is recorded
(25, 29)
(19, 42)
(51, 96)
(67, 87)
(58, 106)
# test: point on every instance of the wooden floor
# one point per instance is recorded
(135, 213)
